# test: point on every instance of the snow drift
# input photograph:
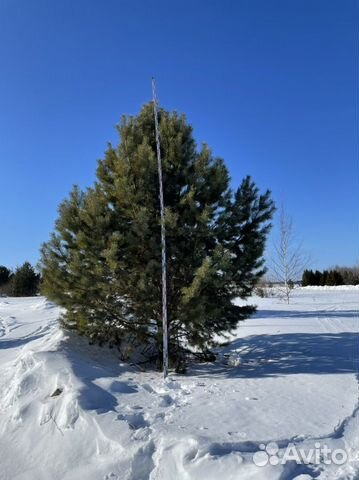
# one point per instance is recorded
(289, 375)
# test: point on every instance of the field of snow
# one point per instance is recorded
(289, 375)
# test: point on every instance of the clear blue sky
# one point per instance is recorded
(270, 85)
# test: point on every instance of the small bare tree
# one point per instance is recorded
(288, 260)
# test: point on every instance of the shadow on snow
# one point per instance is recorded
(307, 314)
(286, 354)
(269, 355)
(91, 363)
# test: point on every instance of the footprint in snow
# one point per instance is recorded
(159, 416)
(148, 388)
(135, 420)
(122, 387)
(172, 385)
(166, 401)
(111, 476)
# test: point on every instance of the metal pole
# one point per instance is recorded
(163, 237)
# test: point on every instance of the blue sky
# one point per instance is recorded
(270, 85)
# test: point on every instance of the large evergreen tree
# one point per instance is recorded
(103, 262)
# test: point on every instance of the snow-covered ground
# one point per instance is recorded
(70, 411)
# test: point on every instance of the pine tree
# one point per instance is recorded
(25, 281)
(307, 278)
(317, 278)
(324, 280)
(4, 275)
(334, 278)
(312, 278)
(103, 262)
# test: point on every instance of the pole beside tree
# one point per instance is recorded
(163, 236)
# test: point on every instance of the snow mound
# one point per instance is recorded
(289, 375)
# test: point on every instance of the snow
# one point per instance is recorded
(289, 375)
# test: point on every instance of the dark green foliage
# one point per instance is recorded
(324, 278)
(24, 282)
(311, 278)
(317, 278)
(5, 280)
(350, 275)
(334, 278)
(4, 275)
(330, 278)
(308, 278)
(103, 263)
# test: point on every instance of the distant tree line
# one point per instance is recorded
(23, 282)
(335, 276)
